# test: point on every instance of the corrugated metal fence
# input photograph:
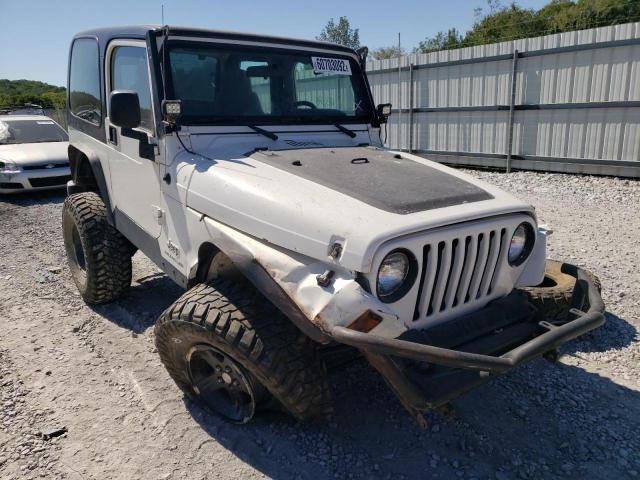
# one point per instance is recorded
(566, 102)
(59, 116)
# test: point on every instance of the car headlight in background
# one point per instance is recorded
(396, 275)
(521, 244)
(8, 167)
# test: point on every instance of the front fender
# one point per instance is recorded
(85, 163)
(289, 280)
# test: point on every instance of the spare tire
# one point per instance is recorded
(553, 296)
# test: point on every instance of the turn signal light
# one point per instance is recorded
(365, 322)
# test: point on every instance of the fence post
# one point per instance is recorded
(512, 101)
(398, 132)
(410, 108)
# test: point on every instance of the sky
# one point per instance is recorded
(35, 34)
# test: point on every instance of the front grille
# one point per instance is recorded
(461, 268)
(49, 181)
(45, 166)
(458, 271)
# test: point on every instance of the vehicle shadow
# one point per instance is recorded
(143, 303)
(541, 421)
(615, 334)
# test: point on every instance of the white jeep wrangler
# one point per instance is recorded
(250, 170)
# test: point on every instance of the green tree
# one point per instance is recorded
(440, 41)
(498, 23)
(504, 23)
(57, 100)
(18, 92)
(340, 33)
(383, 53)
(565, 15)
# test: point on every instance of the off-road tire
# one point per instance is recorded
(104, 272)
(553, 296)
(233, 317)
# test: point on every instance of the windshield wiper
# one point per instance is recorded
(345, 130)
(264, 132)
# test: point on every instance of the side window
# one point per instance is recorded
(129, 71)
(84, 81)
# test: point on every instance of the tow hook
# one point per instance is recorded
(324, 279)
(335, 251)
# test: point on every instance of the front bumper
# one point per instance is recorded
(429, 368)
(35, 179)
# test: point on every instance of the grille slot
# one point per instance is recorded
(49, 181)
(45, 166)
(458, 271)
(503, 246)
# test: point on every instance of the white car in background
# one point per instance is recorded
(33, 154)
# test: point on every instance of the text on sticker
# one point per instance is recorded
(334, 66)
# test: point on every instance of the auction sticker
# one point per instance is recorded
(331, 66)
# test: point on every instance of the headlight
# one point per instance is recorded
(521, 244)
(396, 275)
(7, 166)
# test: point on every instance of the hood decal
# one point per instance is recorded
(376, 177)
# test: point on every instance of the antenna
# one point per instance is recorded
(165, 30)
(399, 87)
(162, 23)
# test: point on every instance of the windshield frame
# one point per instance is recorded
(34, 120)
(304, 119)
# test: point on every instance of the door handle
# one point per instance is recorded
(113, 135)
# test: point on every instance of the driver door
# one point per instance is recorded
(135, 179)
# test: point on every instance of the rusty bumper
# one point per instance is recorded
(427, 371)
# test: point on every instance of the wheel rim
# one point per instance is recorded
(78, 252)
(221, 384)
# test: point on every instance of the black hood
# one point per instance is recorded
(377, 177)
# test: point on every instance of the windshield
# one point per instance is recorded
(31, 131)
(250, 85)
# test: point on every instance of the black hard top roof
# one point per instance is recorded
(104, 35)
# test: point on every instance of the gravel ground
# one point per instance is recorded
(84, 396)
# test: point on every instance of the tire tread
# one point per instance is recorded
(107, 251)
(241, 322)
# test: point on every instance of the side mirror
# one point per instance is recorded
(124, 108)
(384, 110)
(362, 53)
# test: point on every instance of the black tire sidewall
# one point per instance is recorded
(176, 341)
(69, 223)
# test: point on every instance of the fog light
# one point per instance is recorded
(172, 110)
